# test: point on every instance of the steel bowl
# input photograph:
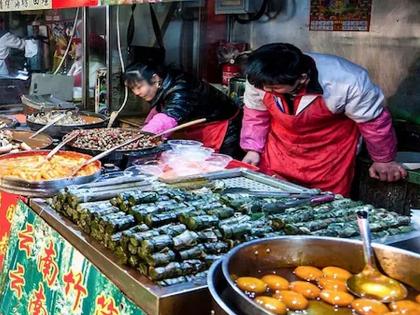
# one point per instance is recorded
(58, 131)
(45, 188)
(265, 255)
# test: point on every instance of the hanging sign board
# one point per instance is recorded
(23, 5)
(61, 4)
(26, 5)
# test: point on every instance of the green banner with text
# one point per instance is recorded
(44, 275)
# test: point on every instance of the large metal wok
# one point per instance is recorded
(267, 255)
(45, 188)
(120, 157)
(58, 131)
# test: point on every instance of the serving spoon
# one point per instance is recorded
(371, 283)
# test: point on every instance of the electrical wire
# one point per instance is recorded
(115, 114)
(254, 17)
(121, 58)
(73, 31)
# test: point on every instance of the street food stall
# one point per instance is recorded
(100, 217)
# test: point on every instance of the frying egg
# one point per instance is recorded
(275, 283)
(293, 300)
(338, 298)
(332, 284)
(307, 289)
(272, 305)
(251, 284)
(404, 306)
(369, 307)
(336, 273)
(308, 273)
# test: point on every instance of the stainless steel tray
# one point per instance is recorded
(180, 299)
(244, 178)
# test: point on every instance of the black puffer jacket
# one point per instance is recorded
(185, 98)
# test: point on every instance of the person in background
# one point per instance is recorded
(304, 114)
(176, 97)
(7, 42)
(97, 47)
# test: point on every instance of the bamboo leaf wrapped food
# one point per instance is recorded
(199, 277)
(216, 248)
(161, 258)
(172, 229)
(196, 252)
(113, 241)
(136, 197)
(132, 249)
(192, 266)
(154, 220)
(157, 243)
(125, 238)
(210, 259)
(186, 215)
(235, 231)
(221, 212)
(121, 255)
(171, 270)
(235, 220)
(236, 202)
(172, 281)
(185, 240)
(202, 222)
(206, 206)
(136, 238)
(209, 235)
(123, 223)
(143, 268)
(133, 261)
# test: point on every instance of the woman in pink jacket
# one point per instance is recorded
(305, 114)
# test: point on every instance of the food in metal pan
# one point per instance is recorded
(106, 138)
(72, 118)
(317, 295)
(171, 235)
(36, 168)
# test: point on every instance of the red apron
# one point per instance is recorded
(314, 148)
(210, 134)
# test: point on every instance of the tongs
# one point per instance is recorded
(57, 148)
(272, 194)
(109, 151)
(51, 123)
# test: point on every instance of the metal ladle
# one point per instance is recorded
(370, 283)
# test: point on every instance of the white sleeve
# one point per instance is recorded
(12, 41)
(365, 100)
(253, 97)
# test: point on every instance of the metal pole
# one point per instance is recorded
(85, 63)
(108, 20)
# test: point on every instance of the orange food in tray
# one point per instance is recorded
(35, 168)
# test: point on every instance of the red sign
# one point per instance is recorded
(7, 209)
(61, 4)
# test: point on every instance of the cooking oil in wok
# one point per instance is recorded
(318, 306)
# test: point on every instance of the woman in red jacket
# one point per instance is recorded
(304, 115)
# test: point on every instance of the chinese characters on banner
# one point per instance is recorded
(340, 15)
(44, 275)
(21, 5)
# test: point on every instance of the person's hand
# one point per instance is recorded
(390, 172)
(252, 158)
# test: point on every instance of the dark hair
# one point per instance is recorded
(138, 72)
(278, 63)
